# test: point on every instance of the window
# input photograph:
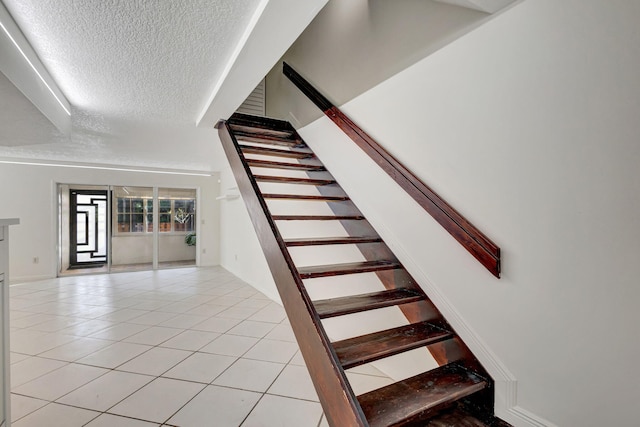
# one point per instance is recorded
(176, 213)
(184, 215)
(131, 215)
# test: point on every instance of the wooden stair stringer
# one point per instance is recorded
(325, 360)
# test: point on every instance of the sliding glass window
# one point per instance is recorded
(132, 231)
(177, 220)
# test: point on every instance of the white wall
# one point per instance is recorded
(240, 251)
(372, 49)
(528, 126)
(138, 248)
(29, 193)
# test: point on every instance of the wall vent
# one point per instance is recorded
(255, 102)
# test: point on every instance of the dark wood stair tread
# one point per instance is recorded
(296, 154)
(283, 165)
(249, 129)
(316, 241)
(318, 217)
(291, 180)
(356, 303)
(419, 396)
(305, 197)
(368, 348)
(269, 139)
(347, 268)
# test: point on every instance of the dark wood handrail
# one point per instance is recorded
(338, 400)
(477, 243)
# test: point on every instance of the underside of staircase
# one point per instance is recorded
(272, 165)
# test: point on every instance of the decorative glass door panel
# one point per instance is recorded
(88, 228)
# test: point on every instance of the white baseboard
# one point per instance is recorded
(17, 280)
(519, 416)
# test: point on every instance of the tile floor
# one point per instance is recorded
(185, 347)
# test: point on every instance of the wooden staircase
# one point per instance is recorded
(458, 392)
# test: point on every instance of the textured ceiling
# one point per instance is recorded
(140, 59)
(136, 72)
(139, 73)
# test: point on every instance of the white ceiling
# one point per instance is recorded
(140, 59)
(139, 74)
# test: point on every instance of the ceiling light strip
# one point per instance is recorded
(108, 168)
(24, 55)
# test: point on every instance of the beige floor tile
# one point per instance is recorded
(114, 355)
(183, 321)
(284, 412)
(254, 303)
(76, 349)
(190, 340)
(200, 367)
(122, 315)
(18, 357)
(119, 331)
(227, 301)
(106, 391)
(35, 342)
(272, 351)
(158, 400)
(238, 312)
(273, 313)
(297, 360)
(216, 324)
(87, 328)
(281, 332)
(108, 420)
(58, 323)
(251, 328)
(57, 383)
(23, 405)
(153, 318)
(54, 415)
(230, 407)
(253, 375)
(230, 345)
(294, 381)
(32, 368)
(32, 320)
(180, 307)
(207, 310)
(153, 335)
(155, 361)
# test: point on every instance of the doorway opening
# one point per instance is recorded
(105, 229)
